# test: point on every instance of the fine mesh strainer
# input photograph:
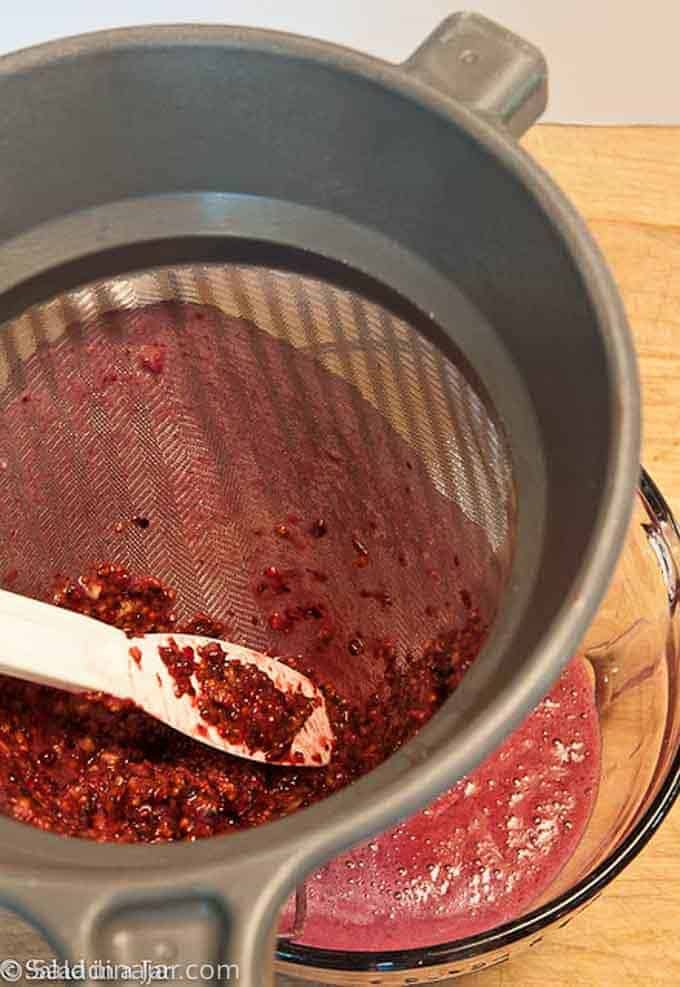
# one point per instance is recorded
(87, 440)
(437, 300)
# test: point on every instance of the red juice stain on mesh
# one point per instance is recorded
(312, 481)
(315, 500)
(481, 853)
(151, 357)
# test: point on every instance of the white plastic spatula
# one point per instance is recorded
(45, 644)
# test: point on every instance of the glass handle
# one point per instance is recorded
(664, 537)
(298, 917)
(630, 632)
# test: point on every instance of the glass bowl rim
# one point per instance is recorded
(586, 890)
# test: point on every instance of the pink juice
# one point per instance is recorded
(481, 853)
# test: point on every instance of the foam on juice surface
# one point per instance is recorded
(481, 853)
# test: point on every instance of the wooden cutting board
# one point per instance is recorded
(625, 181)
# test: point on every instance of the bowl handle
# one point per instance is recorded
(494, 72)
(666, 544)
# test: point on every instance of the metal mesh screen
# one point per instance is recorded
(149, 396)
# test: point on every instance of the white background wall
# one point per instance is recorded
(610, 60)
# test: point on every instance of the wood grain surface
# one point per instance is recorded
(626, 183)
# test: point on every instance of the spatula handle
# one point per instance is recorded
(45, 644)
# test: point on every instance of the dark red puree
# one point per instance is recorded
(239, 700)
(98, 767)
(314, 531)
